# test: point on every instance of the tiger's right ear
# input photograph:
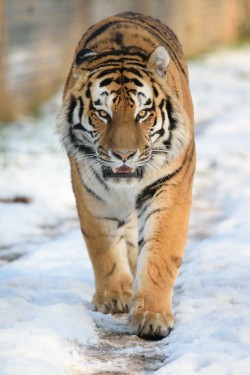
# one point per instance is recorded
(84, 55)
(159, 60)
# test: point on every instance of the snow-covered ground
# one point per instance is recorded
(46, 281)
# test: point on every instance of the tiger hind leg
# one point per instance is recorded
(161, 246)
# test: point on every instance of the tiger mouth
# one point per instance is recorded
(122, 172)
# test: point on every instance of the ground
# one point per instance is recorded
(46, 280)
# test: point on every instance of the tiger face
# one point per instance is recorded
(120, 117)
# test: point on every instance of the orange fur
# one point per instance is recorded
(154, 209)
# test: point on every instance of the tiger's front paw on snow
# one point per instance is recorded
(150, 325)
(109, 302)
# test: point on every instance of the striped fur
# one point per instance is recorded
(126, 122)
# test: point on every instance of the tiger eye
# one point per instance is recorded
(103, 113)
(142, 113)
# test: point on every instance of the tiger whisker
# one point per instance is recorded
(85, 177)
(84, 158)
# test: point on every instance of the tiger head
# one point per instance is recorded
(119, 115)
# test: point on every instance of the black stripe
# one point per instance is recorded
(73, 138)
(86, 187)
(143, 242)
(99, 31)
(81, 107)
(133, 92)
(172, 123)
(134, 80)
(155, 122)
(87, 150)
(90, 120)
(160, 191)
(106, 72)
(142, 212)
(162, 112)
(167, 143)
(107, 63)
(88, 94)
(161, 132)
(100, 180)
(189, 156)
(118, 80)
(140, 243)
(149, 191)
(152, 213)
(142, 94)
(79, 126)
(137, 82)
(156, 93)
(79, 143)
(106, 82)
(133, 70)
(91, 191)
(170, 111)
(118, 92)
(71, 109)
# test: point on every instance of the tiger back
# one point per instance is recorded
(126, 122)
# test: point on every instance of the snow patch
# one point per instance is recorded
(46, 322)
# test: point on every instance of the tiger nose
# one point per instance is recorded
(123, 154)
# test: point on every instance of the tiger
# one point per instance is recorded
(126, 122)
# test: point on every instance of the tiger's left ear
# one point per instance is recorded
(84, 55)
(159, 60)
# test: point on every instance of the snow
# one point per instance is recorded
(46, 280)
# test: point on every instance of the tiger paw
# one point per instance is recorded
(150, 325)
(109, 302)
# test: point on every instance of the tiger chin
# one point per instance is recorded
(126, 122)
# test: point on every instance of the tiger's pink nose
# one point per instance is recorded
(123, 154)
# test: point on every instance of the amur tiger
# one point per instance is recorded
(126, 122)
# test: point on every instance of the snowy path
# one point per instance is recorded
(46, 281)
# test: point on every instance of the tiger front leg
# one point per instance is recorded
(104, 237)
(163, 229)
(113, 278)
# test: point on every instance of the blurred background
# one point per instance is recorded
(38, 38)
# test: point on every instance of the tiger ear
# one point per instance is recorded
(84, 55)
(159, 60)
